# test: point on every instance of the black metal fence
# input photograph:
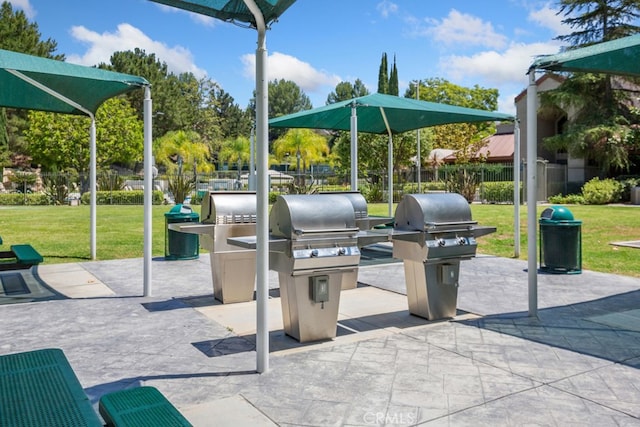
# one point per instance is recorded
(486, 183)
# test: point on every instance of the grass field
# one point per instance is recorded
(61, 233)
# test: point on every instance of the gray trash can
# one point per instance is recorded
(560, 241)
(177, 245)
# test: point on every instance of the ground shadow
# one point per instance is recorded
(607, 328)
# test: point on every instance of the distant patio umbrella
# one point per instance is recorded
(379, 113)
(258, 14)
(620, 56)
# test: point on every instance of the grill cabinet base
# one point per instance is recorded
(432, 289)
(304, 319)
(234, 276)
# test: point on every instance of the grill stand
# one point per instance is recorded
(233, 270)
(304, 319)
(432, 286)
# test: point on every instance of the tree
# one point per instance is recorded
(603, 120)
(285, 97)
(346, 90)
(465, 138)
(178, 148)
(393, 88)
(236, 150)
(19, 35)
(306, 145)
(383, 76)
(61, 141)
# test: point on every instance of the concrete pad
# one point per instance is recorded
(240, 318)
(73, 281)
(228, 412)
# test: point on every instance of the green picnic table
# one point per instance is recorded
(39, 389)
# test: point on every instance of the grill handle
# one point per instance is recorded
(302, 231)
(449, 224)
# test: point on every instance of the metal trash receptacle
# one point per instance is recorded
(179, 246)
(560, 241)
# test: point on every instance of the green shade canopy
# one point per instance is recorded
(402, 114)
(28, 82)
(232, 10)
(618, 56)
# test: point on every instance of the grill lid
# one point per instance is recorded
(357, 200)
(293, 216)
(230, 207)
(424, 212)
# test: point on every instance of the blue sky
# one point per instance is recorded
(318, 43)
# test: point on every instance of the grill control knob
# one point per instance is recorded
(441, 242)
(342, 251)
(462, 241)
(314, 252)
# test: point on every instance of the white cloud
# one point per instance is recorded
(508, 66)
(127, 37)
(25, 6)
(386, 8)
(196, 17)
(548, 18)
(463, 29)
(282, 66)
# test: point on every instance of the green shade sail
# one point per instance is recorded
(27, 82)
(232, 10)
(620, 56)
(402, 115)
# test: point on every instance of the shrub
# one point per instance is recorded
(569, 199)
(29, 199)
(627, 184)
(135, 197)
(497, 192)
(273, 196)
(372, 193)
(601, 192)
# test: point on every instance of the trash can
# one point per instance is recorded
(179, 245)
(560, 241)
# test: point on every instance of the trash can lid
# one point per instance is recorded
(557, 213)
(181, 211)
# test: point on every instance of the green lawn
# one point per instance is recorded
(61, 233)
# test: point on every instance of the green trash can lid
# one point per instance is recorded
(556, 213)
(181, 211)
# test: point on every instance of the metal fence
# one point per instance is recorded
(493, 184)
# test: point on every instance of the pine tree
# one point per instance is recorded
(602, 125)
(383, 79)
(393, 88)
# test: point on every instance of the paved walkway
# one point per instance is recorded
(576, 364)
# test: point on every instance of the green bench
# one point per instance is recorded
(19, 257)
(39, 388)
(140, 407)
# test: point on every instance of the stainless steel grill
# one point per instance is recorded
(435, 233)
(365, 223)
(228, 214)
(313, 243)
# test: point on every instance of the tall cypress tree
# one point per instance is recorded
(383, 76)
(393, 80)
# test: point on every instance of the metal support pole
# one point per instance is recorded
(148, 190)
(532, 154)
(92, 187)
(418, 156)
(516, 190)
(262, 226)
(354, 147)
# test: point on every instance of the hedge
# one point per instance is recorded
(29, 199)
(121, 197)
(497, 192)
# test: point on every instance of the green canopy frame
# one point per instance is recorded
(382, 114)
(35, 83)
(620, 56)
(258, 14)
